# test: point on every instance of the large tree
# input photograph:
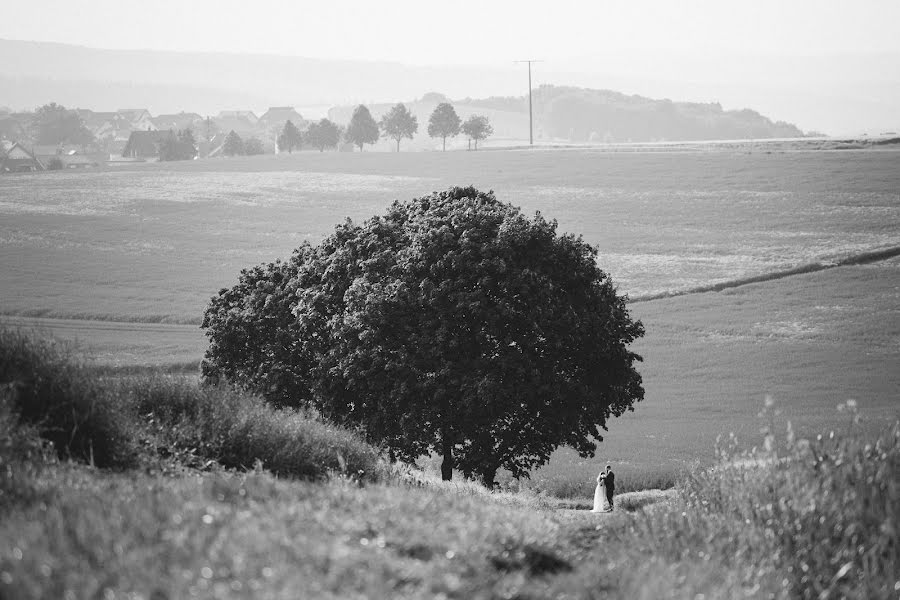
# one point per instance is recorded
(323, 134)
(362, 128)
(53, 124)
(443, 123)
(289, 139)
(399, 123)
(477, 128)
(452, 324)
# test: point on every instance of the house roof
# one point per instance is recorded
(19, 156)
(134, 114)
(248, 115)
(281, 114)
(145, 144)
(181, 120)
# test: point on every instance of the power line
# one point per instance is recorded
(530, 114)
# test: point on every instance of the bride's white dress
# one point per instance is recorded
(601, 504)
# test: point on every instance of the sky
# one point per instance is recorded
(799, 60)
(465, 31)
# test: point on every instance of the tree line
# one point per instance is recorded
(400, 123)
(54, 124)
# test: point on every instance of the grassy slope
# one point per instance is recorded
(786, 529)
(811, 341)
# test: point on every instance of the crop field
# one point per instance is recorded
(125, 260)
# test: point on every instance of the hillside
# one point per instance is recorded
(571, 114)
(591, 115)
(34, 73)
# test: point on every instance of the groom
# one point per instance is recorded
(610, 485)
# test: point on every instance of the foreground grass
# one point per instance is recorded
(800, 518)
(124, 421)
(769, 529)
(253, 536)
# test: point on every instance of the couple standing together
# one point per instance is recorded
(603, 494)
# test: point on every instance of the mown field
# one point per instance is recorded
(150, 244)
(153, 243)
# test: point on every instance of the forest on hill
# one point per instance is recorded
(591, 115)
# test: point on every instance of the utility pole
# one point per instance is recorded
(530, 114)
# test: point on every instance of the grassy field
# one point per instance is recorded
(174, 506)
(152, 243)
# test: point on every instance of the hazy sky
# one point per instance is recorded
(831, 65)
(465, 31)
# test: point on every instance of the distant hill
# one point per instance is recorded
(34, 73)
(588, 115)
(570, 114)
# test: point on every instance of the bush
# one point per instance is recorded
(22, 455)
(49, 390)
(237, 430)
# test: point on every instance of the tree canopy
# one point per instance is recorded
(323, 134)
(253, 146)
(289, 139)
(54, 124)
(444, 122)
(477, 128)
(399, 123)
(452, 324)
(362, 128)
(234, 145)
(180, 147)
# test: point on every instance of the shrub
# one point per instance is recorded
(237, 430)
(58, 396)
(22, 455)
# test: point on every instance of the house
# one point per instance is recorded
(21, 160)
(104, 125)
(246, 115)
(138, 119)
(177, 122)
(242, 122)
(277, 116)
(68, 157)
(145, 144)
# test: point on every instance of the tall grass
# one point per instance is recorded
(814, 518)
(120, 421)
(825, 511)
(238, 430)
(52, 391)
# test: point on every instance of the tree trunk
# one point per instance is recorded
(470, 143)
(488, 474)
(398, 144)
(476, 143)
(444, 149)
(447, 464)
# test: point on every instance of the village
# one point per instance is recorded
(134, 135)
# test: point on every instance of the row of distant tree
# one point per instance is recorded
(397, 124)
(400, 123)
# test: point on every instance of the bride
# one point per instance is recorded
(600, 502)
